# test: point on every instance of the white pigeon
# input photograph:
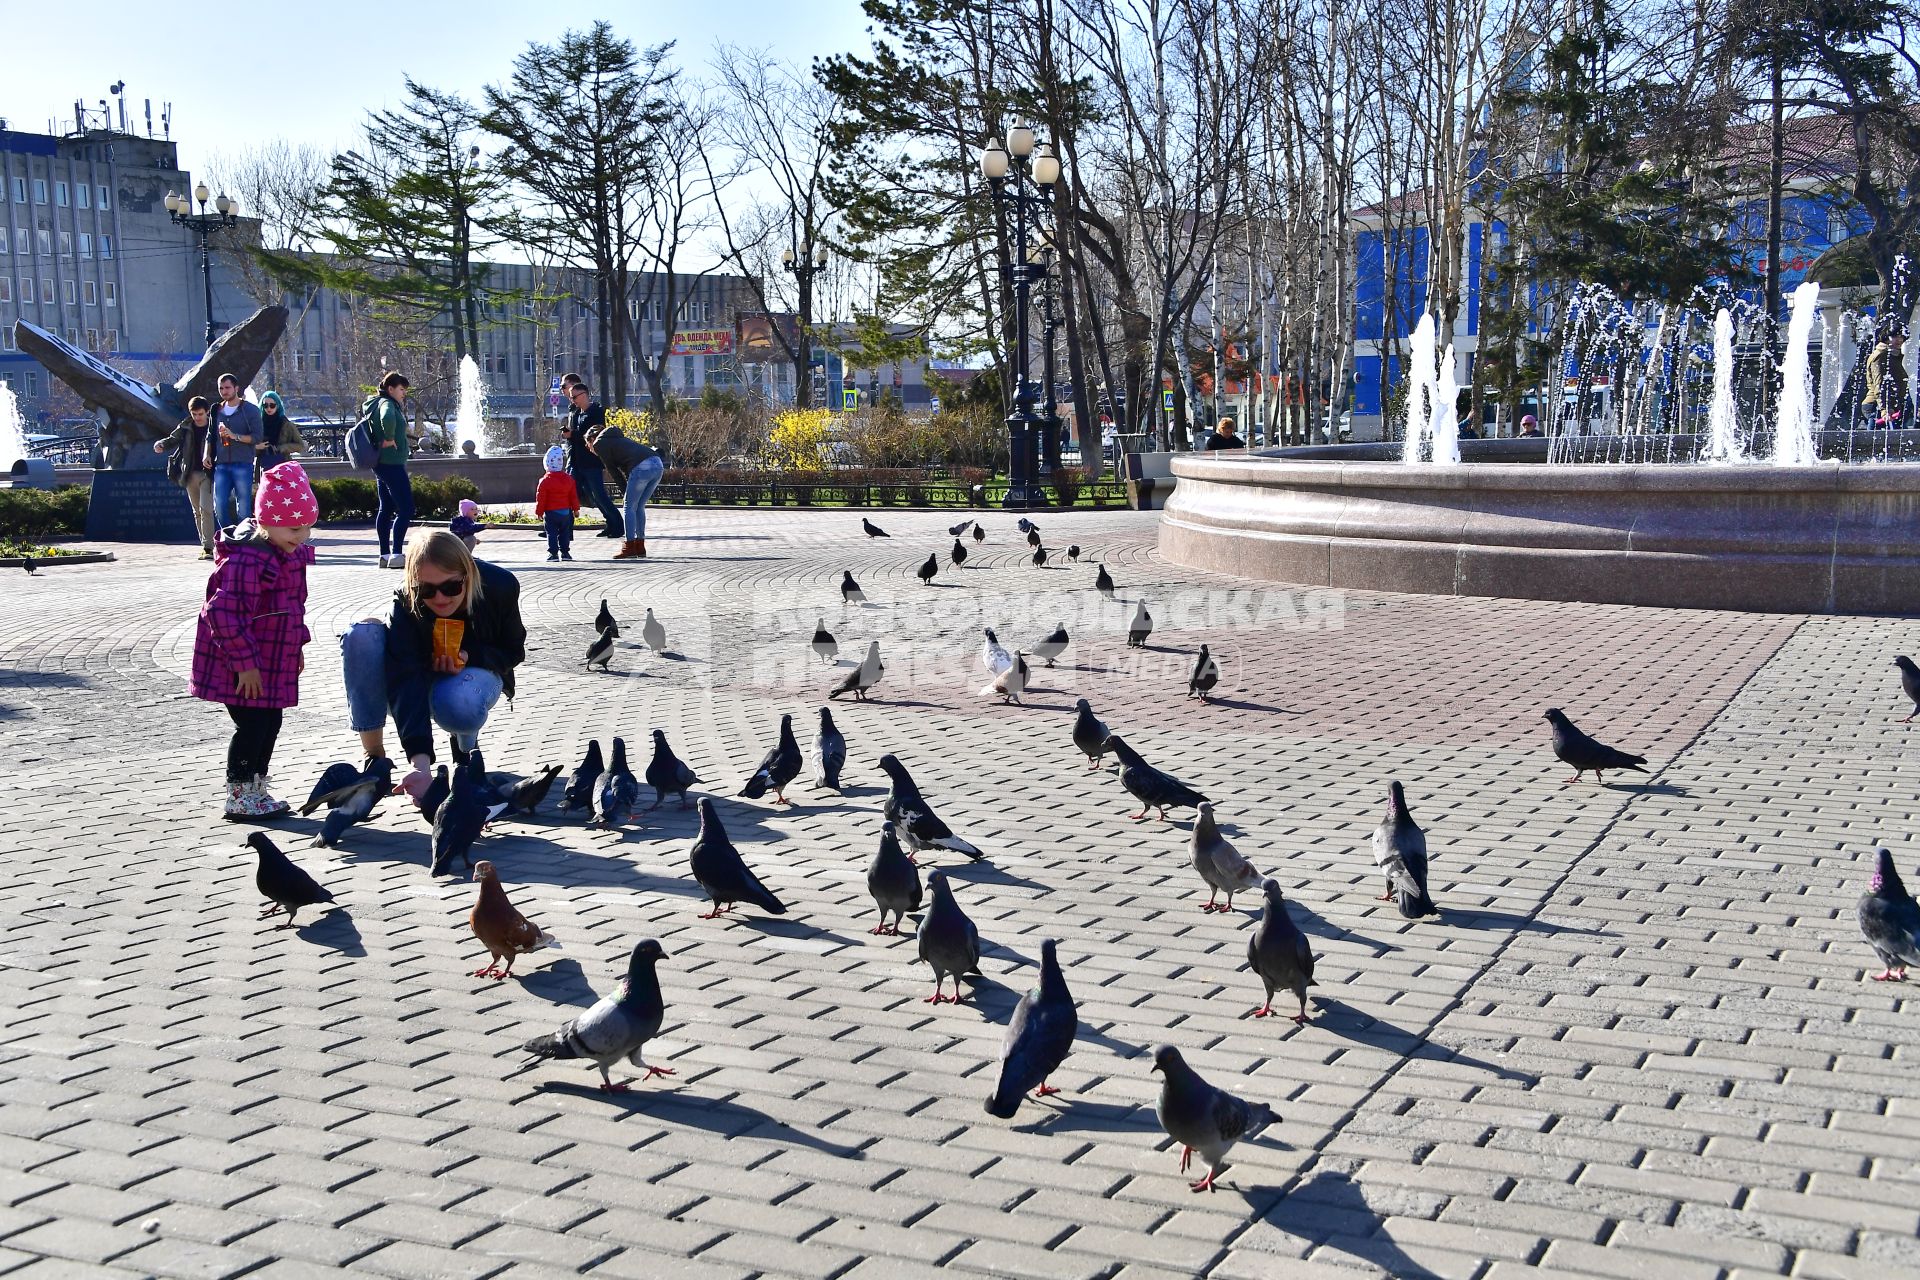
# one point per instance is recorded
(653, 634)
(1009, 684)
(993, 655)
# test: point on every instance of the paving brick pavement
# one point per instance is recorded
(1638, 1043)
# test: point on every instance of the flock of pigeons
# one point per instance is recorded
(1201, 1117)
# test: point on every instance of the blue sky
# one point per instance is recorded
(309, 71)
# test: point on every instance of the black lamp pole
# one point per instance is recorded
(1049, 325)
(803, 265)
(225, 213)
(1009, 172)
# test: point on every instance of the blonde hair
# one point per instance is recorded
(443, 550)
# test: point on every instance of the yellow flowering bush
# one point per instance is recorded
(799, 440)
(638, 424)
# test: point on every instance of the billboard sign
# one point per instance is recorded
(703, 342)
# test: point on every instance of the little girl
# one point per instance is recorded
(247, 651)
(557, 501)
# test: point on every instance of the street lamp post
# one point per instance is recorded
(802, 266)
(225, 213)
(1050, 323)
(1009, 172)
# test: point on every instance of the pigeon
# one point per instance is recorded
(1039, 1037)
(653, 633)
(913, 819)
(1152, 788)
(1909, 683)
(850, 592)
(434, 794)
(1090, 733)
(960, 528)
(603, 621)
(618, 1026)
(1400, 851)
(349, 794)
(1279, 953)
(1027, 526)
(600, 652)
(581, 783)
(524, 795)
(927, 570)
(894, 882)
(1073, 553)
(720, 873)
(1219, 863)
(619, 789)
(829, 752)
(1583, 753)
(824, 646)
(979, 533)
(1033, 537)
(959, 553)
(993, 655)
(28, 563)
(777, 768)
(504, 932)
(286, 886)
(1103, 583)
(1039, 557)
(862, 677)
(461, 817)
(949, 943)
(1053, 646)
(1200, 1117)
(1889, 920)
(1140, 626)
(1206, 674)
(1011, 683)
(667, 773)
(873, 530)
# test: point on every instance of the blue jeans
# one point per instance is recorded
(559, 531)
(458, 703)
(232, 490)
(395, 509)
(592, 484)
(641, 483)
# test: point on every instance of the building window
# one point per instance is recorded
(83, 195)
(526, 363)
(73, 336)
(113, 339)
(88, 295)
(26, 290)
(19, 190)
(106, 246)
(39, 190)
(86, 244)
(46, 291)
(3, 240)
(101, 203)
(33, 383)
(66, 244)
(93, 339)
(526, 309)
(43, 239)
(60, 194)
(112, 292)
(6, 288)
(6, 340)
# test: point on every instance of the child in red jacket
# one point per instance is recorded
(556, 501)
(248, 649)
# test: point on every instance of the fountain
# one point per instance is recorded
(13, 431)
(1793, 428)
(471, 424)
(1723, 430)
(1421, 390)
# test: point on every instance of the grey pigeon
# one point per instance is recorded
(349, 795)
(1090, 733)
(1039, 1037)
(927, 570)
(1206, 674)
(1140, 626)
(1400, 851)
(949, 943)
(862, 677)
(850, 592)
(824, 646)
(720, 872)
(434, 794)
(777, 768)
(873, 530)
(603, 621)
(653, 633)
(979, 533)
(960, 528)
(1052, 646)
(521, 797)
(913, 819)
(1583, 753)
(959, 553)
(284, 885)
(1103, 583)
(600, 652)
(463, 814)
(1200, 1117)
(829, 752)
(582, 782)
(1221, 865)
(667, 773)
(1909, 683)
(618, 1026)
(1890, 920)
(1027, 526)
(619, 789)
(1073, 553)
(894, 882)
(1011, 683)
(1152, 788)
(1279, 953)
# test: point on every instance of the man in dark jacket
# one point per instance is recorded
(584, 421)
(191, 471)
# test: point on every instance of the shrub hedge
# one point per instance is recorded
(52, 513)
(43, 513)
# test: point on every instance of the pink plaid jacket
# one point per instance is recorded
(255, 616)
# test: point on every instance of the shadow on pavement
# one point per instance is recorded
(1331, 1206)
(335, 931)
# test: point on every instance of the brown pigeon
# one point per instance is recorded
(504, 932)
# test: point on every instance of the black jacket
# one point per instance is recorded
(579, 422)
(194, 457)
(495, 640)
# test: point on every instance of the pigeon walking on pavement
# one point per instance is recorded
(777, 768)
(960, 528)
(619, 789)
(1090, 733)
(600, 652)
(862, 677)
(1033, 537)
(1206, 674)
(979, 532)
(1140, 626)
(894, 882)
(959, 554)
(829, 752)
(1583, 753)
(1103, 583)
(873, 530)
(349, 795)
(993, 655)
(1038, 1039)
(1011, 683)
(913, 819)
(503, 931)
(603, 621)
(582, 782)
(1200, 1117)
(434, 794)
(824, 646)
(618, 1026)
(1279, 953)
(1073, 553)
(283, 884)
(1909, 684)
(667, 773)
(653, 633)
(949, 942)
(721, 873)
(926, 571)
(522, 797)
(850, 592)
(1052, 646)
(1890, 920)
(1221, 866)
(1039, 557)
(1400, 851)
(1151, 787)
(1027, 526)
(463, 815)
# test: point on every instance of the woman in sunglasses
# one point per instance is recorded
(444, 656)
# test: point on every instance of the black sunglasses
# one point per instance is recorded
(450, 588)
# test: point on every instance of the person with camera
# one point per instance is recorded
(585, 420)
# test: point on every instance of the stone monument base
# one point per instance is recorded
(139, 506)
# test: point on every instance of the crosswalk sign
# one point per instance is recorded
(850, 399)
(1166, 400)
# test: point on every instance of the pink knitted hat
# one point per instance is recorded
(469, 508)
(284, 499)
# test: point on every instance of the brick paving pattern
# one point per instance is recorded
(1639, 1041)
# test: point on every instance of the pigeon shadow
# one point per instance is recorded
(1243, 704)
(1092, 1117)
(1648, 788)
(335, 931)
(1331, 1204)
(1341, 1019)
(729, 1118)
(561, 982)
(793, 930)
(1313, 923)
(1509, 922)
(982, 873)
